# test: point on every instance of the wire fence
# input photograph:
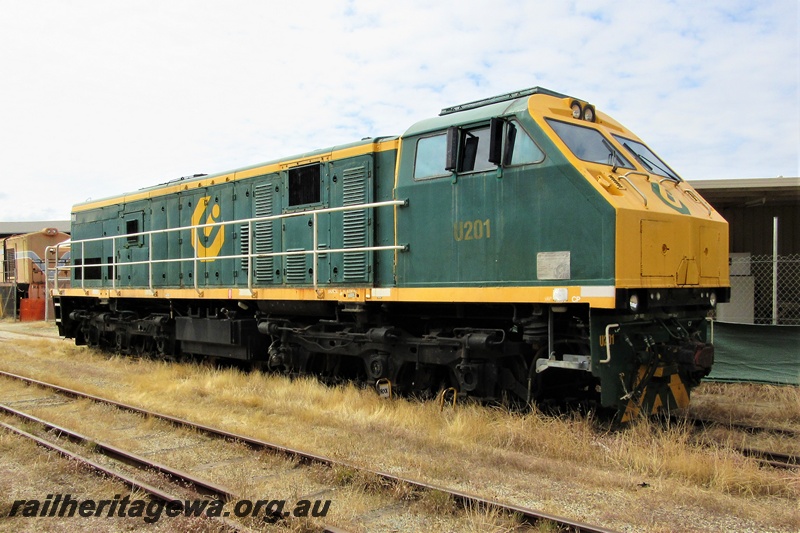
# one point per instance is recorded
(8, 300)
(765, 289)
(8, 268)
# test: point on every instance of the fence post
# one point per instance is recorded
(774, 270)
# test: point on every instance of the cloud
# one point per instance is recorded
(101, 98)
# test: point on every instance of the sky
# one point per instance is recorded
(103, 97)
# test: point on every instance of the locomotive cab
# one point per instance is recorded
(555, 204)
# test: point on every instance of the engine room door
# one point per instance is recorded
(351, 184)
(265, 237)
(304, 192)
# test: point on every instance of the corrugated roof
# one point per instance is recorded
(750, 192)
(747, 183)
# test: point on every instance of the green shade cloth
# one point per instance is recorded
(762, 354)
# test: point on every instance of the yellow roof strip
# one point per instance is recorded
(174, 188)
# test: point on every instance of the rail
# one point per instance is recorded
(194, 230)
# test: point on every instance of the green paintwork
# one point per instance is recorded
(343, 182)
(470, 229)
(539, 207)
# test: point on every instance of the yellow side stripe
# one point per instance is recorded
(362, 294)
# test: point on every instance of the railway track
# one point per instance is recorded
(766, 457)
(184, 486)
(463, 500)
(704, 423)
(774, 459)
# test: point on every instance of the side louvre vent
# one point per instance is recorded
(296, 269)
(263, 197)
(244, 245)
(354, 232)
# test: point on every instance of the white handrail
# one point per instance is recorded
(316, 254)
(249, 256)
(194, 229)
(608, 343)
(635, 188)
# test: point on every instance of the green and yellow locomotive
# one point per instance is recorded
(520, 248)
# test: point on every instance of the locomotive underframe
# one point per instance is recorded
(496, 352)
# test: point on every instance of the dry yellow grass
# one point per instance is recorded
(749, 403)
(486, 450)
(652, 451)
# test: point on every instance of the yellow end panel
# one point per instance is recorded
(664, 250)
(688, 274)
(660, 248)
(713, 251)
(666, 253)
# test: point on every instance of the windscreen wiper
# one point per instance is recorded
(638, 156)
(612, 153)
(648, 164)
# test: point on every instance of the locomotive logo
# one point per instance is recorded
(205, 245)
(668, 199)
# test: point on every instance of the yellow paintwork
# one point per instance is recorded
(676, 389)
(382, 146)
(590, 295)
(656, 245)
(665, 250)
(679, 391)
(211, 216)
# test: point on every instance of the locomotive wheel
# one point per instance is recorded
(377, 366)
(119, 342)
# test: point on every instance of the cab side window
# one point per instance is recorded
(502, 143)
(429, 161)
(465, 150)
(475, 150)
(525, 150)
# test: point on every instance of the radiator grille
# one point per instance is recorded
(354, 231)
(264, 241)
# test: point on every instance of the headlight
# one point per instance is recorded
(633, 303)
(712, 299)
(588, 113)
(576, 109)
